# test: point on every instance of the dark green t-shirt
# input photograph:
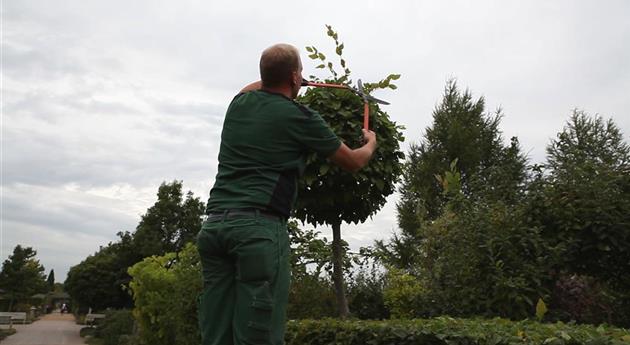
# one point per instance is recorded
(264, 143)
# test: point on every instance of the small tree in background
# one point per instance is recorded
(170, 223)
(588, 198)
(329, 195)
(22, 275)
(50, 281)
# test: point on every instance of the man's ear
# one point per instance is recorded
(294, 78)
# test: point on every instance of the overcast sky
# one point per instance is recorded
(104, 100)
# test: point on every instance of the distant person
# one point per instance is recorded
(244, 244)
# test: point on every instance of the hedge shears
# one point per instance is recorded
(359, 91)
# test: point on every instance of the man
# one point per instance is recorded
(244, 243)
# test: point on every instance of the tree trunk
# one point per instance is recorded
(342, 302)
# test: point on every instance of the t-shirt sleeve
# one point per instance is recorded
(314, 134)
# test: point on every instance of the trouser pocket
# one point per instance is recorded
(256, 313)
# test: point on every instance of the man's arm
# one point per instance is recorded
(353, 160)
(257, 85)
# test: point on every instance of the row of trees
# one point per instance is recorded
(482, 232)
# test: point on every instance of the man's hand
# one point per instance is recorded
(369, 137)
(353, 160)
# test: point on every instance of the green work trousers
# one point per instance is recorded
(245, 262)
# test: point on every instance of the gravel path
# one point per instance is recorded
(52, 329)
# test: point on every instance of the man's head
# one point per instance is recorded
(281, 67)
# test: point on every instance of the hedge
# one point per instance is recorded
(449, 331)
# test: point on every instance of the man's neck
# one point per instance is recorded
(283, 90)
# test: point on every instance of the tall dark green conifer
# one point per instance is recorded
(464, 134)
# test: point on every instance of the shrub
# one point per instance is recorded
(87, 332)
(448, 331)
(403, 294)
(311, 297)
(165, 290)
(116, 324)
(365, 292)
(478, 258)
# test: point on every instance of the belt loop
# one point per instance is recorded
(257, 212)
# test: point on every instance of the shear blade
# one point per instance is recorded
(368, 97)
(376, 100)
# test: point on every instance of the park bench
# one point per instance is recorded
(6, 320)
(15, 317)
(91, 318)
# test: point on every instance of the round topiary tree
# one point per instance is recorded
(329, 195)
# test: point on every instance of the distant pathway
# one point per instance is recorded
(51, 329)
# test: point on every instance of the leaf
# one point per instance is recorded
(541, 309)
(321, 56)
(313, 56)
(324, 169)
(320, 66)
(394, 76)
(339, 49)
(392, 86)
(309, 49)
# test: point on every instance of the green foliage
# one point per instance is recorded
(87, 331)
(471, 240)
(170, 223)
(165, 290)
(461, 152)
(311, 297)
(585, 206)
(311, 294)
(22, 276)
(404, 295)
(327, 194)
(461, 131)
(449, 331)
(365, 293)
(310, 254)
(492, 241)
(117, 324)
(97, 282)
(50, 281)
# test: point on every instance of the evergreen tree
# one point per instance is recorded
(586, 205)
(22, 275)
(464, 137)
(50, 281)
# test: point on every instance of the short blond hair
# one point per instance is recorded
(277, 63)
